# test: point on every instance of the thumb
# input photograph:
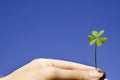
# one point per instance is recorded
(61, 74)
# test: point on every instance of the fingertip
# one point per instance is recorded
(97, 74)
(104, 74)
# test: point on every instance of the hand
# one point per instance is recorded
(50, 69)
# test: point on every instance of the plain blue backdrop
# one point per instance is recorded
(58, 29)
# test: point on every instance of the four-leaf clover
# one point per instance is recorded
(96, 38)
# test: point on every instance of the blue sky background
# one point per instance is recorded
(58, 29)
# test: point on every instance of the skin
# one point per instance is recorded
(51, 69)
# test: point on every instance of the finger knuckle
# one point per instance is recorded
(39, 60)
(50, 72)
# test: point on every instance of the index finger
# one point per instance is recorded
(67, 64)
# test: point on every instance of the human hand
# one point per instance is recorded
(51, 69)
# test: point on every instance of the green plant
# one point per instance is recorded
(96, 40)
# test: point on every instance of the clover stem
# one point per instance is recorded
(95, 56)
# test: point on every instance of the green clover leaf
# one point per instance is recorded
(100, 33)
(92, 41)
(103, 39)
(99, 43)
(94, 33)
(91, 38)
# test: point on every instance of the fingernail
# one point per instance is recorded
(96, 74)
